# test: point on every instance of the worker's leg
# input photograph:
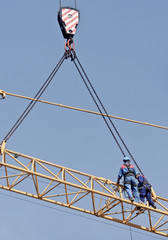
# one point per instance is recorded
(128, 190)
(149, 199)
(135, 193)
(142, 194)
(134, 189)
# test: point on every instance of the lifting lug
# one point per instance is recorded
(3, 94)
(2, 147)
(69, 49)
(69, 45)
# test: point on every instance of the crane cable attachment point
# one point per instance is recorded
(68, 19)
(3, 94)
(69, 49)
(2, 147)
(69, 45)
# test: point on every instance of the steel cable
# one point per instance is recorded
(99, 108)
(108, 117)
(32, 103)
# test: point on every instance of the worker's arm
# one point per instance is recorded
(119, 176)
(140, 180)
(118, 181)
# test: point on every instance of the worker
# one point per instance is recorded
(130, 183)
(144, 188)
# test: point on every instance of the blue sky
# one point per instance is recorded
(123, 47)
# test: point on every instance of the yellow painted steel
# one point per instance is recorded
(2, 93)
(79, 191)
(2, 147)
(86, 111)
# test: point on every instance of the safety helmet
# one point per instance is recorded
(126, 159)
(137, 175)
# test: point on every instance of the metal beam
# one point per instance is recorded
(80, 191)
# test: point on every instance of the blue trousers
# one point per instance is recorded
(145, 193)
(131, 187)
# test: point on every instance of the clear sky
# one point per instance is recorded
(123, 46)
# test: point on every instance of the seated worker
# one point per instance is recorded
(144, 188)
(130, 184)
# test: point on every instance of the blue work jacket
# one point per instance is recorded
(124, 171)
(143, 182)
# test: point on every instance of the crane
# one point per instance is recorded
(74, 189)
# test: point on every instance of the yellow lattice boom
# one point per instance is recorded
(79, 191)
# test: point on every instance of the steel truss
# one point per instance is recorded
(79, 191)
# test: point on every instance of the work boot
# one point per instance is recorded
(132, 199)
(154, 206)
(138, 208)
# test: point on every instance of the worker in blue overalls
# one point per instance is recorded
(130, 184)
(144, 188)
